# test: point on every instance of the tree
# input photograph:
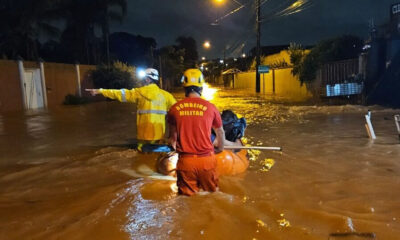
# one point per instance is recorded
(132, 49)
(106, 14)
(191, 56)
(116, 76)
(52, 51)
(297, 54)
(22, 23)
(82, 18)
(172, 65)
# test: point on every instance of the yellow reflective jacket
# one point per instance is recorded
(153, 104)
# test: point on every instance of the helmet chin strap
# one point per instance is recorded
(197, 90)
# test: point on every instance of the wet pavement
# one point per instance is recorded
(60, 177)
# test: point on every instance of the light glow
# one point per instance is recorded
(141, 73)
(207, 44)
(208, 92)
(297, 4)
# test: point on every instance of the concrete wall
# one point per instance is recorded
(286, 86)
(61, 80)
(245, 80)
(10, 87)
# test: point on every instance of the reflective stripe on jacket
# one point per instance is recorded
(153, 104)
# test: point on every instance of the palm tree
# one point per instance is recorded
(82, 18)
(22, 23)
(105, 15)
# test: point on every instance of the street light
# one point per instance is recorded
(203, 58)
(221, 1)
(207, 44)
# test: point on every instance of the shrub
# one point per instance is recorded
(71, 99)
(117, 76)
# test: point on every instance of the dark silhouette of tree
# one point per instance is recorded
(171, 60)
(82, 18)
(52, 51)
(105, 15)
(132, 49)
(21, 24)
(191, 56)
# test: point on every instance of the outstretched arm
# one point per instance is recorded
(93, 92)
(122, 95)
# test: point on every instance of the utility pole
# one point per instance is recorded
(258, 48)
(224, 57)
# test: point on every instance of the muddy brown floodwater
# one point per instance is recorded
(60, 177)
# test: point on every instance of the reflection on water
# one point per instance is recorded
(146, 217)
(62, 177)
(1, 126)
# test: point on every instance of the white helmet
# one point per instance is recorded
(152, 73)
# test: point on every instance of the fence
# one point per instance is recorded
(343, 78)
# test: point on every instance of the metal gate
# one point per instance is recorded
(33, 89)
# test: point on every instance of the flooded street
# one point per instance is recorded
(60, 177)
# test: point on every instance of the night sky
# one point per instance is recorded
(165, 20)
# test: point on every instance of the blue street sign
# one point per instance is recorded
(263, 69)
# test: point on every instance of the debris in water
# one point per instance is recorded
(253, 154)
(260, 223)
(267, 164)
(350, 224)
(283, 222)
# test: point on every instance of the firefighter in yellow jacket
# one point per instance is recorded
(152, 102)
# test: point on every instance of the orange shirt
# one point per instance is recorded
(194, 118)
